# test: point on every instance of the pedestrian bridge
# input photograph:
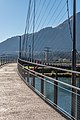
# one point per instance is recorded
(18, 101)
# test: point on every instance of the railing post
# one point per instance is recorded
(73, 101)
(6, 59)
(56, 90)
(78, 102)
(20, 47)
(24, 73)
(28, 75)
(42, 82)
(34, 79)
(1, 60)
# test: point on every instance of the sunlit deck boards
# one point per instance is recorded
(19, 102)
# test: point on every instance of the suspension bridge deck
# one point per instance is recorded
(18, 101)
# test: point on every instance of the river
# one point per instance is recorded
(64, 92)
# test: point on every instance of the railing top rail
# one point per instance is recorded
(55, 68)
(66, 84)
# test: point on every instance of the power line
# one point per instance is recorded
(54, 20)
(26, 28)
(70, 24)
(33, 33)
(52, 38)
(69, 20)
(40, 11)
(43, 14)
(50, 18)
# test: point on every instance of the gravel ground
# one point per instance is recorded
(18, 101)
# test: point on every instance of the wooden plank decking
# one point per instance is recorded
(18, 101)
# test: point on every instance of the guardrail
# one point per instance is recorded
(7, 59)
(58, 92)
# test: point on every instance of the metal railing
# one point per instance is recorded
(55, 89)
(7, 59)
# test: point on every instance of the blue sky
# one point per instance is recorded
(13, 16)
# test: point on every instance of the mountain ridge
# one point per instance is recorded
(58, 39)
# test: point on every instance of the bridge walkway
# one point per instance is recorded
(18, 101)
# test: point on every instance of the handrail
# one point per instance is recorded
(55, 68)
(58, 86)
(7, 59)
(66, 84)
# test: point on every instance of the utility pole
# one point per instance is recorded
(47, 51)
(20, 47)
(73, 111)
